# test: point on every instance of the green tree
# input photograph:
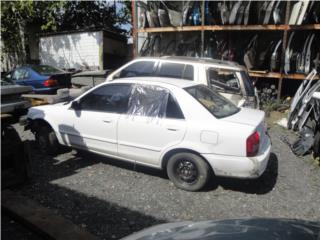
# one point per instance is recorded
(20, 20)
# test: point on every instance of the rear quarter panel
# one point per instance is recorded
(230, 137)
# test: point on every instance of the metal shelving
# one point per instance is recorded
(284, 28)
(229, 28)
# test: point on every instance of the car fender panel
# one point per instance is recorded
(209, 137)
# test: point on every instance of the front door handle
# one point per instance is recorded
(107, 120)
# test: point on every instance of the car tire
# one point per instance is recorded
(47, 141)
(188, 171)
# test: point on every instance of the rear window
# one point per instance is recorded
(141, 68)
(46, 70)
(176, 70)
(224, 80)
(216, 104)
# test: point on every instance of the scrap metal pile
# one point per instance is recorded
(304, 116)
(256, 51)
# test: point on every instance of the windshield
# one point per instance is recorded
(46, 70)
(214, 102)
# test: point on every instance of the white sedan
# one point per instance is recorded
(186, 128)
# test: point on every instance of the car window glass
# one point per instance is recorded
(20, 74)
(46, 70)
(176, 70)
(223, 80)
(108, 98)
(216, 104)
(188, 72)
(172, 70)
(26, 73)
(141, 68)
(148, 101)
(173, 110)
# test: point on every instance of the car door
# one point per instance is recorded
(227, 83)
(93, 124)
(153, 123)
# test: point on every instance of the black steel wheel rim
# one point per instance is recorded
(186, 171)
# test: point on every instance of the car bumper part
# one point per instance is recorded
(240, 167)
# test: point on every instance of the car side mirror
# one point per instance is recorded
(75, 105)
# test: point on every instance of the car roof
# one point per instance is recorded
(198, 60)
(180, 83)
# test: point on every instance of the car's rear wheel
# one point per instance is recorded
(47, 140)
(188, 171)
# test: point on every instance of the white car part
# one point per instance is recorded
(288, 55)
(274, 56)
(316, 95)
(298, 97)
(303, 10)
(295, 13)
(307, 60)
(303, 114)
(268, 12)
(276, 13)
(234, 11)
(247, 13)
(301, 58)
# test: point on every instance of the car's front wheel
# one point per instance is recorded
(47, 140)
(188, 171)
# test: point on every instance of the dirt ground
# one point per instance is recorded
(112, 199)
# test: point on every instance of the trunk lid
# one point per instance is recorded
(246, 116)
(63, 79)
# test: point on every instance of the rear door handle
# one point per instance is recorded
(107, 120)
(173, 129)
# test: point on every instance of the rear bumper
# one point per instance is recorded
(52, 90)
(240, 167)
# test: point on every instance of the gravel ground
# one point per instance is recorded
(10, 229)
(112, 199)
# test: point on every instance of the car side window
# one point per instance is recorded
(148, 101)
(223, 80)
(141, 68)
(176, 70)
(107, 98)
(173, 109)
(20, 74)
(188, 72)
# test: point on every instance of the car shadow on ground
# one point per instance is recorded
(106, 220)
(109, 220)
(262, 185)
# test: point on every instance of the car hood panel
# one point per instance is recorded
(264, 229)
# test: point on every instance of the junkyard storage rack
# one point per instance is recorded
(278, 41)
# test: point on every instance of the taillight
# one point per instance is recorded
(253, 142)
(50, 83)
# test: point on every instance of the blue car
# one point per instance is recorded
(43, 79)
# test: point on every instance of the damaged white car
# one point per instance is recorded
(186, 128)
